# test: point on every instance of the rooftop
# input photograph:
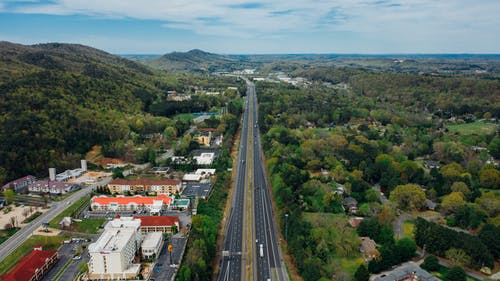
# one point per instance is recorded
(151, 239)
(53, 184)
(403, 273)
(28, 265)
(18, 181)
(137, 199)
(123, 222)
(157, 220)
(145, 182)
(112, 240)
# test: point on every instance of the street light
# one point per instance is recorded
(286, 227)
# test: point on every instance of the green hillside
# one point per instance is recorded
(57, 100)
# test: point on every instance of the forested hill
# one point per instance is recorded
(194, 60)
(56, 100)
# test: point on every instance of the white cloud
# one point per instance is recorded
(383, 20)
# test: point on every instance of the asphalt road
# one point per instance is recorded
(56, 208)
(268, 266)
(231, 262)
(162, 270)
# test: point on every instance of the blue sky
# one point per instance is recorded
(256, 27)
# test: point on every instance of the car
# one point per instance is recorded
(77, 257)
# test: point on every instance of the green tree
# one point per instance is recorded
(431, 263)
(362, 273)
(490, 178)
(490, 237)
(406, 248)
(460, 186)
(452, 201)
(9, 196)
(408, 197)
(494, 147)
(457, 256)
(456, 273)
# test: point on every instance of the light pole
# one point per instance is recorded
(286, 228)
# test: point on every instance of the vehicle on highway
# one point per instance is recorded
(261, 250)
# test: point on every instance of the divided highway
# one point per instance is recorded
(252, 252)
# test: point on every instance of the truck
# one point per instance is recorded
(261, 250)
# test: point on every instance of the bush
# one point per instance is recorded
(431, 263)
(455, 273)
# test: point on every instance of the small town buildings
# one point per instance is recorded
(33, 266)
(165, 224)
(112, 255)
(20, 185)
(407, 272)
(205, 158)
(350, 204)
(191, 177)
(121, 186)
(151, 245)
(65, 223)
(52, 187)
(354, 222)
(160, 170)
(205, 173)
(368, 248)
(120, 203)
(181, 204)
(429, 164)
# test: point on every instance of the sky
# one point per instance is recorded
(258, 27)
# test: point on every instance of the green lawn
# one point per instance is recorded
(48, 242)
(32, 217)
(408, 227)
(90, 226)
(72, 209)
(478, 128)
(5, 234)
(184, 116)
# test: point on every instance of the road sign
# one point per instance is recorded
(170, 248)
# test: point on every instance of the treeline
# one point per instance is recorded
(479, 251)
(454, 95)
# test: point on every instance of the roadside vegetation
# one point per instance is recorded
(381, 145)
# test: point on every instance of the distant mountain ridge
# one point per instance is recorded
(195, 60)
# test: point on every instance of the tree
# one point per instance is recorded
(490, 178)
(408, 197)
(431, 263)
(362, 273)
(371, 195)
(494, 148)
(460, 186)
(9, 196)
(406, 248)
(457, 256)
(456, 273)
(489, 236)
(452, 201)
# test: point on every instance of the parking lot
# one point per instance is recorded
(163, 269)
(200, 190)
(67, 253)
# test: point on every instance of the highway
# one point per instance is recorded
(231, 262)
(251, 206)
(56, 208)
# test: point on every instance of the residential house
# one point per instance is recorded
(429, 164)
(407, 272)
(350, 204)
(368, 249)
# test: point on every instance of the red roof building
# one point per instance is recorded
(33, 266)
(20, 185)
(158, 223)
(119, 203)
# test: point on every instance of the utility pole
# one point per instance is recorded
(286, 227)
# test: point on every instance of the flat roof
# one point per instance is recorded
(151, 239)
(112, 240)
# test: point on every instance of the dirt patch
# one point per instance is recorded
(19, 214)
(49, 231)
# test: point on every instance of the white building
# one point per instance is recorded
(191, 177)
(113, 254)
(151, 246)
(205, 172)
(52, 187)
(206, 158)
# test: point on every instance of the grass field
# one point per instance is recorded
(90, 226)
(184, 116)
(48, 242)
(408, 227)
(73, 208)
(478, 128)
